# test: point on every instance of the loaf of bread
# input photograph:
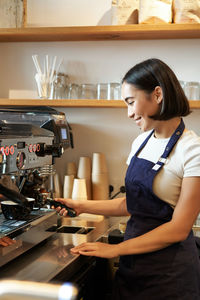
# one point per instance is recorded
(185, 11)
(155, 11)
(125, 12)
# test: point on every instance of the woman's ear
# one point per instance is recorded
(158, 94)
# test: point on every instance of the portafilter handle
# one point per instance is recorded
(70, 212)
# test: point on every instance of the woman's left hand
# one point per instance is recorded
(96, 249)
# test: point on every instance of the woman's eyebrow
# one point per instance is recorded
(127, 98)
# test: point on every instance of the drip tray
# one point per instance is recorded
(70, 229)
(52, 228)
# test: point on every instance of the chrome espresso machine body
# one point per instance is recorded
(47, 135)
(30, 140)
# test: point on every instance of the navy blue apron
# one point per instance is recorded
(167, 274)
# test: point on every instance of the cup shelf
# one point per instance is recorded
(74, 103)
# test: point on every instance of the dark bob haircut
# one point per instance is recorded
(153, 72)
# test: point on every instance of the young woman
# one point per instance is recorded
(158, 257)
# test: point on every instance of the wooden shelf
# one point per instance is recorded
(63, 102)
(194, 104)
(98, 33)
(73, 103)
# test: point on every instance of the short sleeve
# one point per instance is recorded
(192, 158)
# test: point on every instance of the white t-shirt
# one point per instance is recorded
(183, 161)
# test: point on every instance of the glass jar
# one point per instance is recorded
(109, 91)
(88, 91)
(192, 90)
(60, 86)
(73, 91)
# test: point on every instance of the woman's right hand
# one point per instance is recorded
(74, 204)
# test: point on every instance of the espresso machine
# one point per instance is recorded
(47, 133)
(30, 140)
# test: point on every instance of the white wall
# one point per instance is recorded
(99, 129)
(68, 12)
(95, 61)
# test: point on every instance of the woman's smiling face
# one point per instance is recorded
(141, 105)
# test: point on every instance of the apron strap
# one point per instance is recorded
(144, 143)
(170, 145)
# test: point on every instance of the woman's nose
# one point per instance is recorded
(130, 112)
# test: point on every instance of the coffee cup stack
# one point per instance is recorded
(100, 183)
(84, 172)
(68, 182)
(57, 187)
(68, 186)
(79, 191)
(71, 169)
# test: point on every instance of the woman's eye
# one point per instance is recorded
(130, 102)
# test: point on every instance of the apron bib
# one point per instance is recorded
(167, 274)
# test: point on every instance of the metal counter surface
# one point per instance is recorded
(46, 260)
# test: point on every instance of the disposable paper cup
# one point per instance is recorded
(57, 189)
(79, 191)
(68, 186)
(100, 186)
(84, 172)
(71, 169)
(84, 167)
(99, 165)
(89, 189)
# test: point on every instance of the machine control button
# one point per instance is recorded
(7, 150)
(12, 150)
(2, 150)
(30, 148)
(38, 148)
